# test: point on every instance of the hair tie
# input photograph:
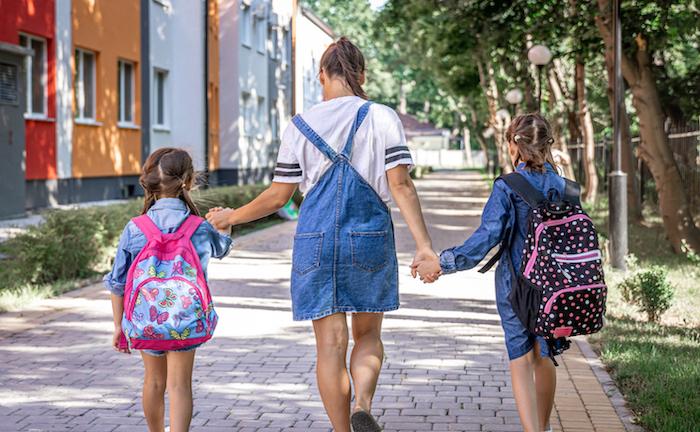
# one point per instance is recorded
(516, 138)
(550, 140)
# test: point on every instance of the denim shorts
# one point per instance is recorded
(519, 340)
(162, 353)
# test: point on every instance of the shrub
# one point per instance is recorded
(74, 244)
(649, 290)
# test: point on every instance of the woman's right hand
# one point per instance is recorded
(426, 263)
(220, 218)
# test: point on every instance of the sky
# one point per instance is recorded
(377, 4)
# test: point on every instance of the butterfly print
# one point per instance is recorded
(169, 300)
(153, 273)
(177, 268)
(160, 318)
(186, 301)
(200, 326)
(138, 272)
(182, 315)
(151, 333)
(180, 336)
(151, 294)
(189, 271)
(138, 317)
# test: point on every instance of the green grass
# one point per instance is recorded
(656, 366)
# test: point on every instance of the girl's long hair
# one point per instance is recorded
(533, 135)
(344, 60)
(168, 172)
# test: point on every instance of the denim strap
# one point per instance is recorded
(361, 114)
(315, 139)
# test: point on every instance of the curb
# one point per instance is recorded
(616, 398)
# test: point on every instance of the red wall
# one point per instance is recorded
(36, 17)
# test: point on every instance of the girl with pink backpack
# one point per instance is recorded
(160, 298)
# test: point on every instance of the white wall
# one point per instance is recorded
(229, 91)
(64, 93)
(311, 42)
(177, 45)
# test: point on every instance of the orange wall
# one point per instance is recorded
(112, 30)
(213, 84)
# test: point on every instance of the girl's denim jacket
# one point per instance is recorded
(503, 213)
(167, 214)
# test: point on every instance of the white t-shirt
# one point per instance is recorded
(379, 145)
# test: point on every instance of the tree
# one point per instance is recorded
(646, 30)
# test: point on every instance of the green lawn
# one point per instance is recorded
(656, 366)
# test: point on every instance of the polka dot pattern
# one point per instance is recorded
(562, 259)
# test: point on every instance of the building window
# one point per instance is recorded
(35, 70)
(260, 35)
(246, 25)
(160, 98)
(84, 85)
(246, 127)
(125, 86)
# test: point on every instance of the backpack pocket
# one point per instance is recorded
(582, 268)
(369, 250)
(306, 255)
(574, 310)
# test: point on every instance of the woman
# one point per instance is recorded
(349, 157)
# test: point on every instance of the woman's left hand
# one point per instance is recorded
(220, 218)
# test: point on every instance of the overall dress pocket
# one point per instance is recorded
(306, 255)
(369, 250)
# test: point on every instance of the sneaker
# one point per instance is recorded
(362, 421)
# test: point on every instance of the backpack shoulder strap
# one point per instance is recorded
(523, 188)
(572, 192)
(189, 226)
(147, 227)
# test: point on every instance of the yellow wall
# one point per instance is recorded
(213, 83)
(112, 30)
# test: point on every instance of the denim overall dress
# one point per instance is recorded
(344, 256)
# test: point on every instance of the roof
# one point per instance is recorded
(413, 126)
(318, 22)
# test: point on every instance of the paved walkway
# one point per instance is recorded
(446, 368)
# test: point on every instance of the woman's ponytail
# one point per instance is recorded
(344, 60)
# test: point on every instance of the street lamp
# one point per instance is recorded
(539, 55)
(514, 97)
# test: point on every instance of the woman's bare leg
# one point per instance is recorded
(331, 369)
(546, 386)
(180, 366)
(522, 372)
(366, 358)
(154, 379)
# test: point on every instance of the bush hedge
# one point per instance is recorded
(79, 243)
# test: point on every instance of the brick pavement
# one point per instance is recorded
(446, 368)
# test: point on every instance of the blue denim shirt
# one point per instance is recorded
(167, 214)
(504, 210)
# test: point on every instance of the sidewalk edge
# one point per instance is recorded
(616, 398)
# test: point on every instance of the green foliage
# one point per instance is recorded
(650, 290)
(75, 244)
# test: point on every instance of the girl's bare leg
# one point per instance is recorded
(154, 379)
(522, 372)
(180, 366)
(546, 386)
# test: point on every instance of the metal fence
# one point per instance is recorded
(684, 140)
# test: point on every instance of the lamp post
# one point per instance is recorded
(514, 97)
(539, 55)
(618, 178)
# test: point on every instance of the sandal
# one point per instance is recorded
(362, 421)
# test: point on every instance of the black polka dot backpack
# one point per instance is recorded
(559, 290)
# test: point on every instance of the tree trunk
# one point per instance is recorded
(590, 173)
(654, 148)
(629, 161)
(479, 137)
(488, 85)
(560, 109)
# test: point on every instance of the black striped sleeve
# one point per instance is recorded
(287, 172)
(397, 155)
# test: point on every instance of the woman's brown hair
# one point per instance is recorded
(344, 60)
(532, 134)
(168, 172)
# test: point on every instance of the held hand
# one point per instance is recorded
(220, 218)
(116, 338)
(427, 264)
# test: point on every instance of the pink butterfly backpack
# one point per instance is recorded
(167, 303)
